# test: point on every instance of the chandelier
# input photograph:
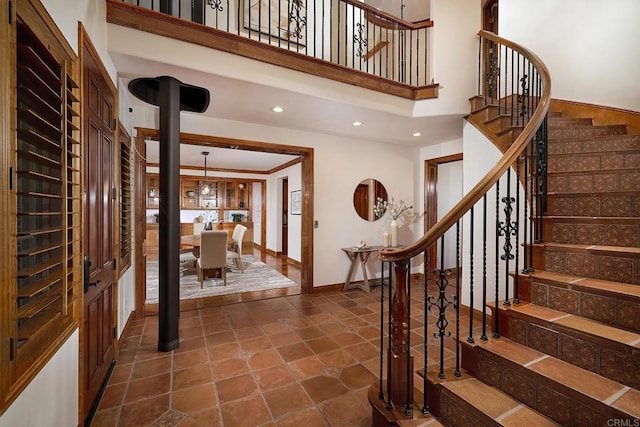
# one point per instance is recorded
(205, 187)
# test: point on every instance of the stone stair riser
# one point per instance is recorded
(569, 121)
(616, 269)
(593, 183)
(623, 143)
(603, 206)
(593, 234)
(585, 131)
(606, 309)
(593, 162)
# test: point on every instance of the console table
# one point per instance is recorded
(361, 255)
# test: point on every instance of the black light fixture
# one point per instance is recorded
(205, 187)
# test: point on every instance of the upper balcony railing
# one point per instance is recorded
(346, 33)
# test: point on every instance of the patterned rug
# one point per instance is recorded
(257, 276)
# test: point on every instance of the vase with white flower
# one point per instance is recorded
(397, 210)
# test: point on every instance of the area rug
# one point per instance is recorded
(257, 276)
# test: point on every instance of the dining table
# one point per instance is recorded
(193, 241)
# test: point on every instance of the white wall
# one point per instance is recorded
(481, 156)
(293, 174)
(92, 14)
(590, 46)
(454, 49)
(37, 405)
(449, 189)
(256, 214)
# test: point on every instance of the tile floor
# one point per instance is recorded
(303, 360)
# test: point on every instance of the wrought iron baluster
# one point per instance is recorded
(389, 405)
(471, 252)
(483, 337)
(516, 289)
(441, 304)
(216, 5)
(359, 41)
(456, 301)
(496, 330)
(425, 407)
(407, 408)
(506, 229)
(523, 98)
(526, 181)
(381, 372)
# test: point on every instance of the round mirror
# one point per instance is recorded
(365, 196)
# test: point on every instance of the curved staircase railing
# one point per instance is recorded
(512, 103)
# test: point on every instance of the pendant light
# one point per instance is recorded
(205, 188)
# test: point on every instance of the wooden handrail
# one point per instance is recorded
(402, 24)
(485, 184)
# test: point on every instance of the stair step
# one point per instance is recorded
(613, 143)
(566, 393)
(589, 162)
(481, 401)
(554, 122)
(619, 204)
(623, 232)
(600, 181)
(616, 251)
(585, 343)
(585, 131)
(622, 291)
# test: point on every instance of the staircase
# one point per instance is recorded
(569, 352)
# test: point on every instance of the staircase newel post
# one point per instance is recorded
(400, 361)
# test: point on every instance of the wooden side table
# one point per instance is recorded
(362, 256)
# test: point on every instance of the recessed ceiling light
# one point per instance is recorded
(417, 134)
(277, 109)
(357, 123)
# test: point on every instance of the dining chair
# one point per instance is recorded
(235, 254)
(213, 254)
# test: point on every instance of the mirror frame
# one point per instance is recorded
(364, 198)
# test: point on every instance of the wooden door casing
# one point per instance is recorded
(99, 324)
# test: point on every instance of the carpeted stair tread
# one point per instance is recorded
(587, 387)
(601, 332)
(496, 404)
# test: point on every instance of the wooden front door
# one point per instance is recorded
(98, 341)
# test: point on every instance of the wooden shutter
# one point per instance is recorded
(126, 213)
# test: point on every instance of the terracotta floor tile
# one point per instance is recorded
(190, 358)
(322, 388)
(250, 332)
(345, 339)
(209, 417)
(487, 399)
(283, 339)
(309, 333)
(274, 377)
(236, 414)
(599, 329)
(346, 411)
(144, 412)
(307, 367)
(338, 358)
(357, 376)
(195, 331)
(287, 399)
(295, 351)
(255, 345)
(513, 351)
(364, 351)
(322, 345)
(147, 387)
(189, 319)
(265, 359)
(275, 328)
(191, 376)
(148, 368)
(216, 326)
(310, 417)
(121, 374)
(525, 416)
(229, 368)
(221, 338)
(112, 396)
(106, 418)
(194, 399)
(236, 388)
(223, 352)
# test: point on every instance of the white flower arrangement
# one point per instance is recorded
(397, 210)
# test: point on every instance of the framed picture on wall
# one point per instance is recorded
(296, 202)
